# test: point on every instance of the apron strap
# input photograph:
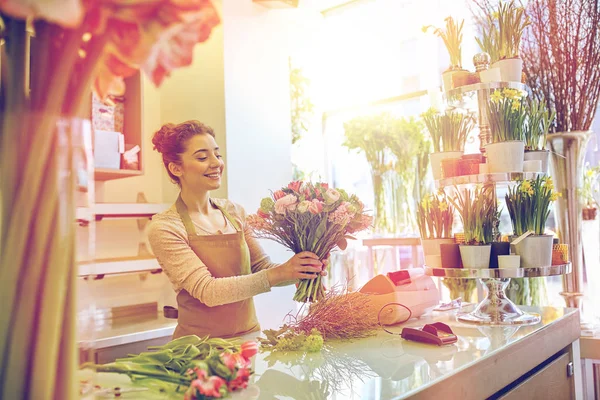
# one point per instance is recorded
(187, 221)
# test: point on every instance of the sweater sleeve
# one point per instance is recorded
(186, 270)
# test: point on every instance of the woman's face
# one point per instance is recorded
(201, 164)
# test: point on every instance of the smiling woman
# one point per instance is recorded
(205, 246)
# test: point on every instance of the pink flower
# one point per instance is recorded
(342, 214)
(249, 349)
(295, 186)
(331, 196)
(278, 194)
(200, 373)
(286, 203)
(229, 360)
(241, 380)
(315, 207)
(262, 214)
(209, 387)
(324, 185)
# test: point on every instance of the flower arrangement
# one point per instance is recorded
(313, 217)
(435, 216)
(512, 22)
(538, 122)
(506, 115)
(588, 187)
(452, 38)
(528, 204)
(209, 368)
(449, 130)
(477, 209)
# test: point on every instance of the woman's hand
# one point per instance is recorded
(304, 265)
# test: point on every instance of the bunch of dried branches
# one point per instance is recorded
(561, 57)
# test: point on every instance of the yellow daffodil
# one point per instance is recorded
(530, 192)
(443, 206)
(495, 15)
(515, 105)
(496, 96)
(525, 186)
(554, 196)
(590, 173)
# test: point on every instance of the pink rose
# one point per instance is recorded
(286, 203)
(278, 194)
(315, 207)
(249, 349)
(331, 196)
(241, 380)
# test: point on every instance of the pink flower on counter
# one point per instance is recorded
(288, 202)
(241, 380)
(209, 387)
(331, 196)
(249, 349)
(315, 207)
(295, 186)
(278, 194)
(235, 360)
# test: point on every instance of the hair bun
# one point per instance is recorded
(161, 137)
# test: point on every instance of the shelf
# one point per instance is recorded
(502, 177)
(121, 265)
(486, 86)
(392, 241)
(120, 210)
(106, 174)
(499, 273)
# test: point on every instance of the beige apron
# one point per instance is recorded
(225, 255)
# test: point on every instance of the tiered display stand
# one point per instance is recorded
(496, 308)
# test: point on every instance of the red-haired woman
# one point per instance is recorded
(204, 245)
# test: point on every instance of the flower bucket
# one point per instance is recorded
(431, 247)
(475, 257)
(535, 251)
(511, 69)
(436, 161)
(542, 155)
(505, 156)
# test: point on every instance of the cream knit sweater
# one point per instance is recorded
(185, 270)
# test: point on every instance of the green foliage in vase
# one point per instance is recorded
(452, 37)
(477, 209)
(435, 217)
(589, 186)
(538, 122)
(460, 287)
(512, 22)
(489, 37)
(506, 115)
(448, 130)
(528, 204)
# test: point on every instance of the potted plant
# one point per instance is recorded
(511, 23)
(371, 135)
(538, 120)
(506, 116)
(588, 191)
(434, 217)
(448, 133)
(528, 204)
(452, 38)
(476, 209)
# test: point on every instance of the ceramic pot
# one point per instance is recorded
(469, 166)
(447, 79)
(436, 161)
(431, 247)
(511, 69)
(542, 155)
(509, 261)
(450, 255)
(490, 75)
(498, 249)
(461, 78)
(505, 156)
(475, 257)
(535, 251)
(532, 166)
(450, 168)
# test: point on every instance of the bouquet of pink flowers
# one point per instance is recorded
(311, 217)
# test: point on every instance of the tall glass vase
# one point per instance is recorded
(38, 328)
(380, 217)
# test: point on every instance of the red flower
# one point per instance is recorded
(279, 194)
(295, 186)
(249, 349)
(241, 380)
(324, 185)
(315, 207)
(262, 214)
(209, 387)
(229, 360)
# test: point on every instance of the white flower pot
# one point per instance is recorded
(532, 166)
(542, 155)
(447, 80)
(490, 75)
(511, 69)
(509, 261)
(505, 156)
(535, 251)
(436, 161)
(475, 256)
(431, 247)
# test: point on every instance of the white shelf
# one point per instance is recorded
(120, 210)
(496, 178)
(122, 265)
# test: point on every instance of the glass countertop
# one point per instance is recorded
(384, 366)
